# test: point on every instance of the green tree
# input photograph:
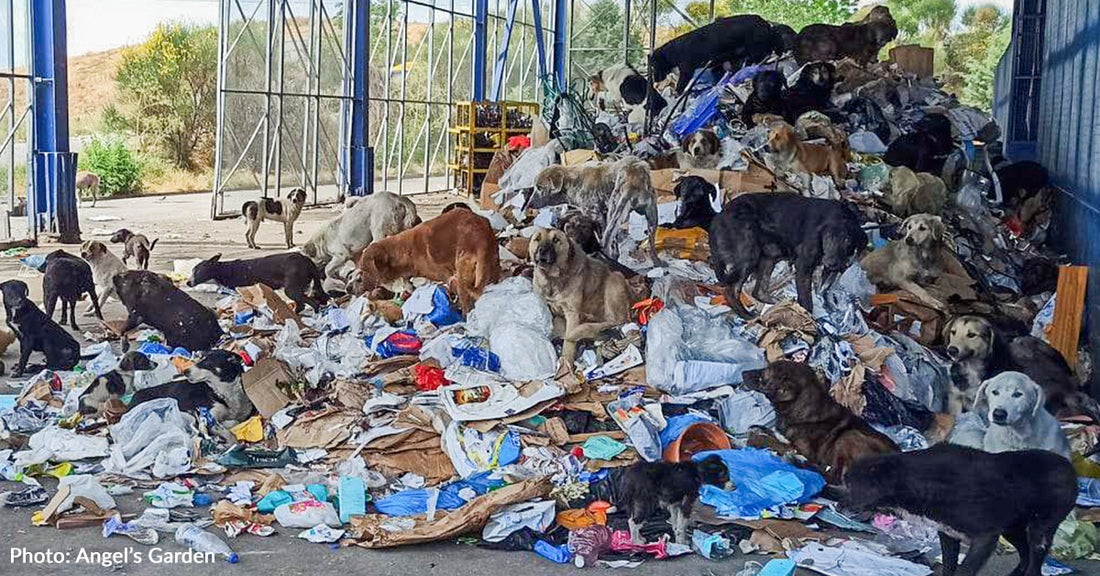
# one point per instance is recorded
(167, 93)
(979, 78)
(796, 13)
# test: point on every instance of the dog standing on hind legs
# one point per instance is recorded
(285, 210)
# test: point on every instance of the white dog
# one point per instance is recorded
(1014, 407)
(105, 266)
(371, 218)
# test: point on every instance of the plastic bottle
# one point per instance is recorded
(9, 472)
(559, 554)
(202, 541)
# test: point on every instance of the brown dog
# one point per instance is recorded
(458, 248)
(585, 295)
(822, 430)
(793, 154)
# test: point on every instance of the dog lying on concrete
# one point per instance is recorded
(105, 266)
(585, 296)
(36, 331)
(769, 96)
(913, 262)
(67, 278)
(646, 486)
(916, 193)
(135, 246)
(292, 272)
(754, 231)
(154, 300)
(1015, 408)
(285, 210)
(972, 495)
(792, 154)
(365, 220)
(979, 351)
(822, 430)
(729, 42)
(860, 40)
(458, 248)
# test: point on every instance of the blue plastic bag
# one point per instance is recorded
(559, 554)
(763, 481)
(413, 502)
(702, 111)
(442, 314)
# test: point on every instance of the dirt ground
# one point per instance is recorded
(184, 229)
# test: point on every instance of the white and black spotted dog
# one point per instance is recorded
(285, 210)
(700, 150)
(622, 87)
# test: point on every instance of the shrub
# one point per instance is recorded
(119, 169)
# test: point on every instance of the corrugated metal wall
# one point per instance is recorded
(1068, 134)
(1002, 89)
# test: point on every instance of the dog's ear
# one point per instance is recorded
(946, 333)
(533, 245)
(215, 257)
(938, 229)
(1035, 391)
(980, 401)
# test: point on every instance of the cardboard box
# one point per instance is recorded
(755, 179)
(914, 59)
(261, 386)
(486, 198)
(580, 156)
(260, 296)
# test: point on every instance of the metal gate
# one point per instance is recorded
(16, 118)
(283, 77)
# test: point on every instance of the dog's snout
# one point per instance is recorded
(1000, 415)
(953, 351)
(545, 255)
(909, 240)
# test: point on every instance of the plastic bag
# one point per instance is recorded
(763, 481)
(58, 444)
(640, 426)
(518, 324)
(701, 111)
(151, 435)
(471, 451)
(866, 143)
(537, 516)
(744, 409)
(690, 351)
(307, 514)
(87, 486)
(523, 172)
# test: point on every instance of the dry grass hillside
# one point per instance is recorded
(91, 85)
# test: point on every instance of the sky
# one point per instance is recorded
(96, 25)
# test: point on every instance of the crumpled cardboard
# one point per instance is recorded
(225, 512)
(262, 296)
(323, 430)
(472, 517)
(261, 386)
(756, 178)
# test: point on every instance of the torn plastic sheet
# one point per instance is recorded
(538, 516)
(763, 481)
(151, 435)
(691, 351)
(60, 444)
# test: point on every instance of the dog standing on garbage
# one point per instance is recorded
(972, 495)
(646, 486)
(621, 86)
(913, 262)
(754, 231)
(822, 430)
(790, 153)
(979, 350)
(365, 220)
(633, 193)
(861, 40)
(585, 295)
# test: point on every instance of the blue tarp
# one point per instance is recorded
(762, 481)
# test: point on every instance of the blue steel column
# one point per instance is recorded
(53, 200)
(481, 46)
(560, 30)
(356, 156)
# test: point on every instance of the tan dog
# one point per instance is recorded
(790, 153)
(457, 247)
(105, 266)
(916, 192)
(585, 295)
(913, 262)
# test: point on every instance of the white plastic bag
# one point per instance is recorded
(151, 435)
(307, 514)
(690, 351)
(537, 516)
(518, 324)
(87, 486)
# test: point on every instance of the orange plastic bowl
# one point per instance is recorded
(698, 437)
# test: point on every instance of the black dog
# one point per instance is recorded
(754, 231)
(116, 383)
(813, 91)
(67, 278)
(1021, 180)
(769, 93)
(695, 209)
(36, 331)
(731, 42)
(926, 148)
(293, 272)
(864, 114)
(1020, 495)
(583, 230)
(646, 486)
(154, 300)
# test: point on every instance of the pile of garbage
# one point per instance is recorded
(391, 422)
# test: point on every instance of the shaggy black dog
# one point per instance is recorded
(695, 209)
(769, 93)
(754, 231)
(731, 42)
(154, 300)
(1021, 180)
(926, 148)
(1020, 495)
(646, 486)
(812, 91)
(67, 278)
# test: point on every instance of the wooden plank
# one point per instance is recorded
(1069, 311)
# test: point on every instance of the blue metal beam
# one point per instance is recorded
(502, 57)
(52, 205)
(560, 29)
(356, 157)
(481, 46)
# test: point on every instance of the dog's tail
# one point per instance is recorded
(250, 210)
(153, 244)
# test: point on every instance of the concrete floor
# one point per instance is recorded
(185, 231)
